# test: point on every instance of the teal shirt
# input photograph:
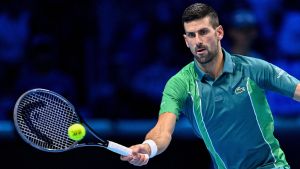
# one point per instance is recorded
(231, 113)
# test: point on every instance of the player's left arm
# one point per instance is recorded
(297, 93)
(271, 77)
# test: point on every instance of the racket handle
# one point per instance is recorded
(120, 149)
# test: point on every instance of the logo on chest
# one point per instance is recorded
(239, 90)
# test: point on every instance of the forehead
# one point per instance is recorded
(198, 24)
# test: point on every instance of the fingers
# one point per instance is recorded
(138, 156)
(136, 159)
(139, 160)
(126, 158)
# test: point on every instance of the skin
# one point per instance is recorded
(297, 93)
(161, 134)
(204, 42)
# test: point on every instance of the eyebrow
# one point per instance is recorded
(201, 29)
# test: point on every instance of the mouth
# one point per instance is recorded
(200, 50)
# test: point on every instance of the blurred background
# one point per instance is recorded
(111, 59)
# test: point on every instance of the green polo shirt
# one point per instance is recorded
(231, 113)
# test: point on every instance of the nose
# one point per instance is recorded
(199, 39)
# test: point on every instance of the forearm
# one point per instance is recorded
(161, 139)
(161, 134)
(297, 93)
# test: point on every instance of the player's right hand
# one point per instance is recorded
(138, 157)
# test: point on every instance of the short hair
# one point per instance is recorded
(199, 11)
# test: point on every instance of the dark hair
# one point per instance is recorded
(199, 11)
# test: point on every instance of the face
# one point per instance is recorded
(203, 40)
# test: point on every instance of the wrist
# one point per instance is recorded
(153, 147)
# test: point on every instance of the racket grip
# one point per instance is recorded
(120, 149)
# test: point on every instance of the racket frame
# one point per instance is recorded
(97, 141)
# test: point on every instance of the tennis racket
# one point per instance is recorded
(42, 118)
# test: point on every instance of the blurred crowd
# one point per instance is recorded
(111, 58)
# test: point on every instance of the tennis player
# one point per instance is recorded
(223, 96)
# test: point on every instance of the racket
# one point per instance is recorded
(42, 118)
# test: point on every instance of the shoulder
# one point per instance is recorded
(182, 80)
(242, 61)
(186, 74)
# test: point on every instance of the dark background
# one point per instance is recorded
(111, 59)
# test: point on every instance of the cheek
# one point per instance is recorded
(189, 43)
(212, 42)
(192, 45)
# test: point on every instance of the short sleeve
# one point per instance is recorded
(271, 77)
(174, 95)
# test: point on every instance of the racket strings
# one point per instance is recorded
(44, 119)
(26, 117)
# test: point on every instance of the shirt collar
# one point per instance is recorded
(228, 65)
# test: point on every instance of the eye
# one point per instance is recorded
(203, 31)
(191, 34)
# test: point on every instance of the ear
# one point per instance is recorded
(186, 42)
(220, 32)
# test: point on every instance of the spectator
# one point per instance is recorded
(243, 30)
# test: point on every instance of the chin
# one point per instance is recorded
(203, 61)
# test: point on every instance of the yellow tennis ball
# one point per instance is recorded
(76, 132)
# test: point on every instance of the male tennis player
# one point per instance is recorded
(223, 97)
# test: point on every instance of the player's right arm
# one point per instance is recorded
(159, 137)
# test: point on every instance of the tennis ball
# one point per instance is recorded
(76, 132)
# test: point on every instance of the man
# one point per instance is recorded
(222, 95)
(243, 33)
